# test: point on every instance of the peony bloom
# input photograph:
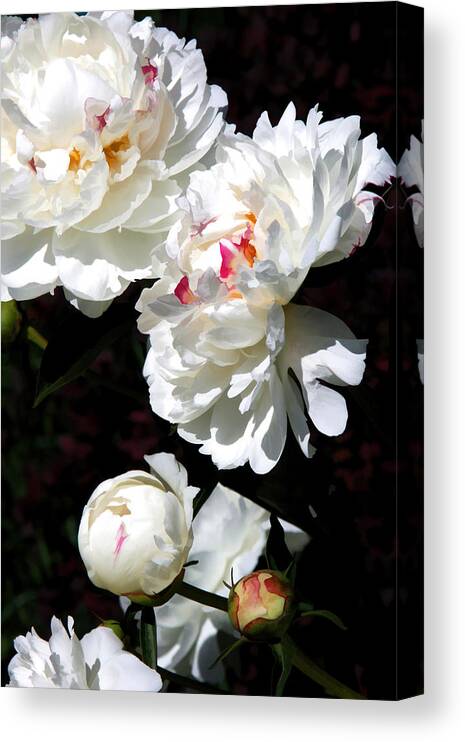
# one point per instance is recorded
(261, 605)
(229, 532)
(295, 195)
(96, 662)
(101, 117)
(410, 171)
(222, 369)
(135, 532)
(223, 336)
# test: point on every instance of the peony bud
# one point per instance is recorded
(261, 605)
(135, 532)
(11, 321)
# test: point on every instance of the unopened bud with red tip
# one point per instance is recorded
(261, 605)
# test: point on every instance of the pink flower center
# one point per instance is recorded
(232, 257)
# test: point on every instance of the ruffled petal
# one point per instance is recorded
(28, 265)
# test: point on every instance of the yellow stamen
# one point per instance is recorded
(250, 253)
(234, 294)
(250, 216)
(111, 151)
(74, 160)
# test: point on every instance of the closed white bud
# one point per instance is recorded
(135, 532)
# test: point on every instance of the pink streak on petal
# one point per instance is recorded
(198, 229)
(95, 121)
(150, 73)
(121, 537)
(102, 119)
(184, 293)
(227, 256)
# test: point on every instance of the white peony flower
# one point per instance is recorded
(229, 531)
(101, 119)
(295, 195)
(230, 374)
(96, 662)
(223, 336)
(410, 170)
(135, 532)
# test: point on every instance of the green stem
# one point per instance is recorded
(35, 337)
(148, 637)
(202, 596)
(332, 686)
(185, 682)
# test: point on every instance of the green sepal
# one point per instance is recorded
(157, 599)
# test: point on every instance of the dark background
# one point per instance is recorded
(365, 487)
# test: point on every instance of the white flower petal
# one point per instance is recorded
(97, 267)
(328, 410)
(97, 662)
(28, 267)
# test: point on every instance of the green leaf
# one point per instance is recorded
(77, 342)
(284, 656)
(278, 555)
(302, 607)
(291, 571)
(228, 650)
(326, 614)
(148, 637)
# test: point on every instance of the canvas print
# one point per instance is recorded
(212, 350)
